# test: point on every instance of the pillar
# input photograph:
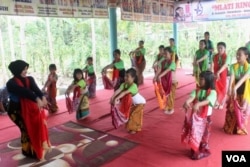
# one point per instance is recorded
(175, 34)
(112, 30)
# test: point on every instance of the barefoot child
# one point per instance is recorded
(200, 62)
(167, 77)
(174, 50)
(127, 104)
(118, 72)
(90, 77)
(158, 58)
(196, 130)
(238, 107)
(80, 95)
(50, 88)
(219, 68)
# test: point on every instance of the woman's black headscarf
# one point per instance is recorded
(16, 67)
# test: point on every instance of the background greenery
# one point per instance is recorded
(67, 42)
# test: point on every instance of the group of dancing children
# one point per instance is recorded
(213, 91)
(83, 87)
(127, 104)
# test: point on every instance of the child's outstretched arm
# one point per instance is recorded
(118, 91)
(201, 59)
(157, 75)
(164, 72)
(212, 67)
(210, 100)
(70, 88)
(186, 105)
(47, 83)
(200, 104)
(154, 63)
(84, 69)
(239, 83)
(224, 66)
(54, 78)
(122, 94)
(171, 67)
(229, 91)
(107, 67)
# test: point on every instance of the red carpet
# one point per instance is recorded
(73, 145)
(159, 141)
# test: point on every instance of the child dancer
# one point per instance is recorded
(200, 62)
(90, 77)
(166, 76)
(219, 68)
(139, 61)
(174, 49)
(118, 72)
(51, 91)
(239, 95)
(196, 130)
(127, 104)
(80, 95)
(158, 58)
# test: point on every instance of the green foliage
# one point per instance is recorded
(232, 32)
(72, 41)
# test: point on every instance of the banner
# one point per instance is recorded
(209, 10)
(183, 12)
(232, 9)
(159, 11)
(55, 8)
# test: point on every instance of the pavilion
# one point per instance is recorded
(157, 145)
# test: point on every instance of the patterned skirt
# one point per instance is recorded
(236, 117)
(136, 116)
(81, 106)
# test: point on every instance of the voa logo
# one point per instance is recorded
(236, 158)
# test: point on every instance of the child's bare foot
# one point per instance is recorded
(48, 149)
(221, 107)
(169, 112)
(38, 163)
(132, 132)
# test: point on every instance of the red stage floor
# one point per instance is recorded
(159, 141)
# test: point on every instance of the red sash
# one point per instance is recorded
(107, 82)
(115, 71)
(34, 120)
(166, 80)
(76, 92)
(69, 104)
(115, 74)
(139, 59)
(126, 103)
(221, 83)
(91, 79)
(52, 87)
